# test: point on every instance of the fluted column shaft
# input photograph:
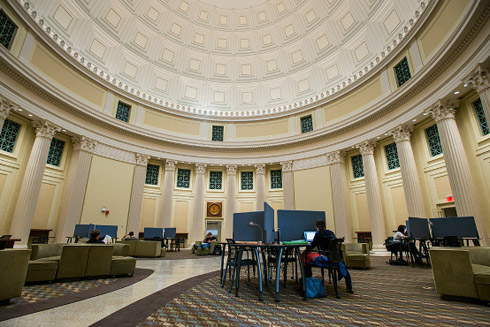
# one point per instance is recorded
(408, 169)
(458, 168)
(31, 183)
(75, 187)
(230, 199)
(288, 184)
(136, 202)
(197, 227)
(260, 189)
(5, 108)
(168, 194)
(480, 81)
(341, 206)
(376, 217)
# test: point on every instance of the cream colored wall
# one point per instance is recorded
(313, 191)
(109, 185)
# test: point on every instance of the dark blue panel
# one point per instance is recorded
(418, 228)
(153, 233)
(170, 233)
(460, 227)
(82, 230)
(268, 223)
(292, 223)
(242, 231)
(104, 230)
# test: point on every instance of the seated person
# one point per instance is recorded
(95, 237)
(321, 233)
(129, 237)
(406, 246)
(206, 242)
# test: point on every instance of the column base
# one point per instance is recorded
(379, 250)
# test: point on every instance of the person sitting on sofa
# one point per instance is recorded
(206, 242)
(95, 237)
(129, 237)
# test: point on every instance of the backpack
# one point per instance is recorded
(217, 250)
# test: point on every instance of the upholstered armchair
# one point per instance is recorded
(13, 272)
(356, 255)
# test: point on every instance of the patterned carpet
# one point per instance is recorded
(383, 296)
(178, 255)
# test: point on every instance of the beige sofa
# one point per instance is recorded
(141, 248)
(356, 255)
(462, 271)
(13, 272)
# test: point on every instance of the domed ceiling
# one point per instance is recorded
(228, 58)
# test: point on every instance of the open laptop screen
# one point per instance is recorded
(309, 236)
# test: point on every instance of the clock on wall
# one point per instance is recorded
(214, 209)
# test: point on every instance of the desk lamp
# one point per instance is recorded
(252, 224)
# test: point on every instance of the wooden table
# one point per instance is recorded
(365, 237)
(8, 243)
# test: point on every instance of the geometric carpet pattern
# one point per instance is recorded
(384, 295)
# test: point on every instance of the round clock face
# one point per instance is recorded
(214, 209)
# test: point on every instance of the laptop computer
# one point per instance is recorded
(309, 235)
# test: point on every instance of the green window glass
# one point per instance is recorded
(215, 180)
(392, 156)
(152, 173)
(357, 166)
(402, 72)
(276, 179)
(247, 180)
(9, 135)
(306, 124)
(432, 134)
(480, 114)
(55, 152)
(183, 178)
(123, 111)
(7, 30)
(218, 133)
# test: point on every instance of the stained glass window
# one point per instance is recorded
(434, 141)
(152, 173)
(392, 156)
(247, 180)
(123, 111)
(357, 166)
(9, 135)
(218, 133)
(306, 124)
(480, 114)
(215, 180)
(7, 30)
(55, 152)
(276, 179)
(183, 178)
(402, 72)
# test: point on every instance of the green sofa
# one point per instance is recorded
(462, 271)
(13, 272)
(206, 251)
(356, 255)
(142, 248)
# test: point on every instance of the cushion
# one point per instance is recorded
(481, 274)
(56, 258)
(356, 256)
(42, 265)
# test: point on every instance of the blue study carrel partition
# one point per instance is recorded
(152, 233)
(242, 231)
(110, 230)
(293, 223)
(83, 230)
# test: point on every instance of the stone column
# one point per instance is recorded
(288, 184)
(376, 217)
(168, 194)
(75, 187)
(197, 225)
(408, 169)
(5, 109)
(341, 206)
(136, 202)
(458, 168)
(230, 199)
(260, 189)
(31, 183)
(479, 80)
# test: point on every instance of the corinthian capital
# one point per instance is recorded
(260, 169)
(170, 164)
(478, 79)
(83, 143)
(443, 110)
(200, 168)
(141, 159)
(45, 129)
(231, 170)
(335, 157)
(5, 109)
(366, 147)
(287, 165)
(401, 133)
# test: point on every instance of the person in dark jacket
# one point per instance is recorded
(95, 237)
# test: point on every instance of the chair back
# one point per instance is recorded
(335, 251)
(323, 242)
(230, 249)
